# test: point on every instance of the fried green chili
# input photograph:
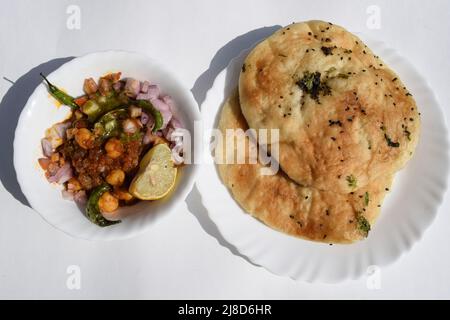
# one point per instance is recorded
(97, 107)
(92, 209)
(60, 95)
(148, 106)
(108, 125)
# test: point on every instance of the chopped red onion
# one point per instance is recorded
(67, 195)
(164, 109)
(143, 96)
(169, 101)
(47, 149)
(80, 197)
(62, 175)
(147, 136)
(151, 123)
(132, 87)
(144, 118)
(176, 123)
(154, 91)
(144, 86)
(117, 86)
(61, 128)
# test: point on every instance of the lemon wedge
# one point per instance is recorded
(156, 175)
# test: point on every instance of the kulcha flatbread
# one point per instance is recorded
(345, 118)
(288, 207)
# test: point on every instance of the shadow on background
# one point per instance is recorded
(223, 57)
(201, 86)
(10, 108)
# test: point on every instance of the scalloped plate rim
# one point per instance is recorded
(218, 85)
(191, 111)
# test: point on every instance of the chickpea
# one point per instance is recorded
(123, 194)
(116, 177)
(84, 138)
(114, 148)
(108, 203)
(73, 184)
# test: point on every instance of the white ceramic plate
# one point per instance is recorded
(407, 211)
(41, 113)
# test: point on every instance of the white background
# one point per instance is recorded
(184, 256)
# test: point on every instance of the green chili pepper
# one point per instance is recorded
(92, 109)
(148, 106)
(108, 125)
(97, 107)
(92, 209)
(110, 102)
(60, 95)
(127, 138)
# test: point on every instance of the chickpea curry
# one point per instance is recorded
(121, 144)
